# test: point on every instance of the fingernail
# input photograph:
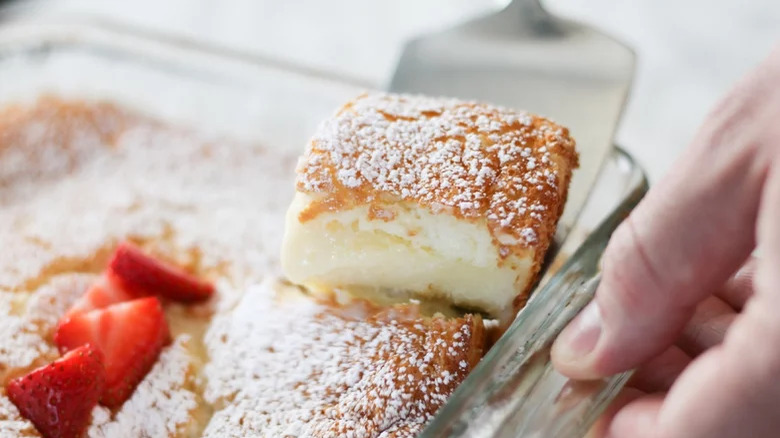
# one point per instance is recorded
(580, 337)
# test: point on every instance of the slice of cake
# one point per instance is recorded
(439, 197)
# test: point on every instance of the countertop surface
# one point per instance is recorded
(689, 51)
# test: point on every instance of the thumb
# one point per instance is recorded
(683, 241)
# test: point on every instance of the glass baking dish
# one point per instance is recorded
(515, 391)
(279, 105)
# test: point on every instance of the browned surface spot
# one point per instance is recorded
(31, 135)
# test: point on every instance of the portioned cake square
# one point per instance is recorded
(438, 197)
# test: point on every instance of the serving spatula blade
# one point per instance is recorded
(523, 57)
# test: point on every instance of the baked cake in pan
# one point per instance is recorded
(473, 194)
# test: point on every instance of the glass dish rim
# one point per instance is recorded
(75, 30)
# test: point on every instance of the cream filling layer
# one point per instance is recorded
(431, 255)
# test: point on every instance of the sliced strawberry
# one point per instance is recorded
(130, 335)
(59, 397)
(104, 292)
(143, 275)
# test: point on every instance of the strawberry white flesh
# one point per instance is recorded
(103, 293)
(130, 335)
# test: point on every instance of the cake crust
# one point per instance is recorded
(472, 160)
(320, 368)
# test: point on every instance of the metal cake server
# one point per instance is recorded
(525, 58)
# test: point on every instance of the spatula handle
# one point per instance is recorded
(527, 6)
(531, 15)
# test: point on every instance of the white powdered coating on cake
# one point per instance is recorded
(20, 340)
(284, 367)
(160, 406)
(478, 161)
(47, 304)
(12, 424)
(81, 193)
(25, 323)
(225, 199)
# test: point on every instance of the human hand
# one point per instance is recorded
(706, 343)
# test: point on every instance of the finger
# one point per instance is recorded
(637, 419)
(659, 374)
(707, 327)
(601, 426)
(767, 276)
(732, 390)
(683, 241)
(739, 288)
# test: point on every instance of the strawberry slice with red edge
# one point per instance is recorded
(130, 335)
(58, 398)
(142, 274)
(104, 292)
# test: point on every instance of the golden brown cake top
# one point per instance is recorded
(474, 160)
(293, 367)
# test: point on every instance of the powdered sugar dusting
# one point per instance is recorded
(20, 343)
(11, 422)
(95, 174)
(288, 367)
(47, 304)
(162, 404)
(25, 322)
(476, 160)
(135, 179)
